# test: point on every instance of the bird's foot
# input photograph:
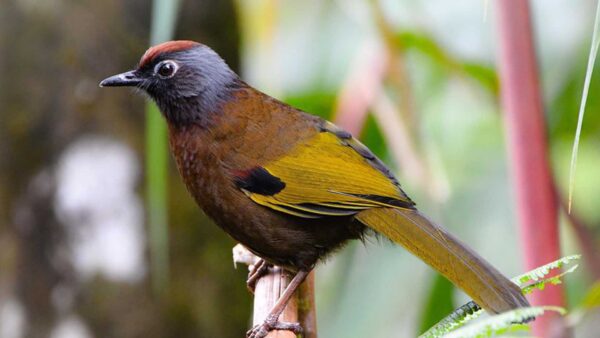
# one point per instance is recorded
(260, 269)
(270, 324)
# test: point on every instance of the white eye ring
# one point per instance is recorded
(166, 69)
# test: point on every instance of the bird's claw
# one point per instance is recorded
(260, 269)
(270, 324)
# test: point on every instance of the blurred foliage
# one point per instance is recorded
(438, 304)
(164, 19)
(485, 75)
(563, 109)
(320, 103)
(537, 279)
(592, 299)
(499, 325)
(50, 98)
(511, 321)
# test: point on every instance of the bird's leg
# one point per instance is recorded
(271, 321)
(260, 269)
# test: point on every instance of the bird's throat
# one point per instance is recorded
(202, 109)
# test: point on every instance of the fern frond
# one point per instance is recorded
(503, 323)
(541, 284)
(539, 273)
(453, 321)
(528, 282)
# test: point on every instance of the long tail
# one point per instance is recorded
(442, 251)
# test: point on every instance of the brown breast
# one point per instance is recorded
(252, 129)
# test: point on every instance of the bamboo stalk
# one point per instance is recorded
(526, 137)
(307, 314)
(268, 290)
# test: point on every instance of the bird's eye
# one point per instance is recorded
(166, 69)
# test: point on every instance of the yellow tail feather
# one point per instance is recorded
(446, 254)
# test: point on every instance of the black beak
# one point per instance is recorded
(127, 79)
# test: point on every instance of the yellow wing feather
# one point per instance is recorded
(330, 176)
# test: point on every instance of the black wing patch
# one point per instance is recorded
(259, 181)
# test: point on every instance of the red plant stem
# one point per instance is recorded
(526, 136)
(360, 90)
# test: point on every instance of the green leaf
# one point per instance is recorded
(592, 298)
(540, 284)
(453, 321)
(586, 87)
(315, 102)
(539, 273)
(485, 75)
(533, 280)
(373, 138)
(590, 301)
(503, 323)
(439, 302)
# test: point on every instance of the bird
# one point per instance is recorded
(290, 186)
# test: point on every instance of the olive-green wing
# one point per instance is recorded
(331, 174)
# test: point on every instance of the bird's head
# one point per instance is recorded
(186, 79)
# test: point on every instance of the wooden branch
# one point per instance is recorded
(307, 314)
(268, 290)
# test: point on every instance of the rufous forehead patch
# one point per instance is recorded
(165, 47)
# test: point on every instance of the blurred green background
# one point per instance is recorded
(75, 254)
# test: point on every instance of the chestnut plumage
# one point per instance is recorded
(288, 185)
